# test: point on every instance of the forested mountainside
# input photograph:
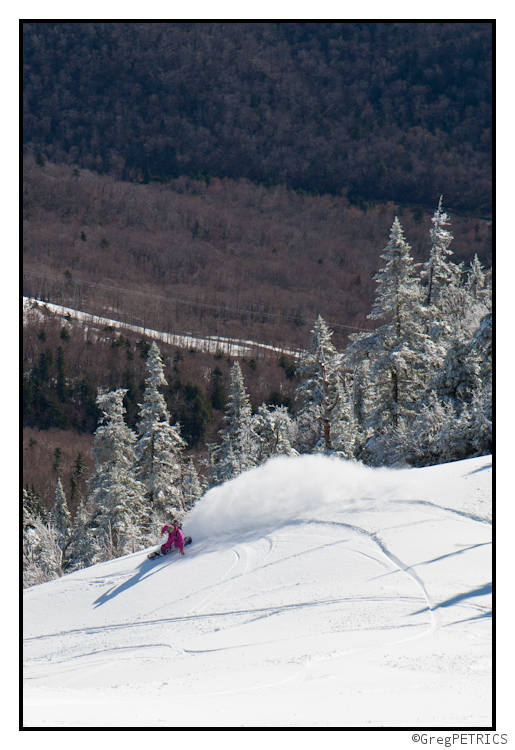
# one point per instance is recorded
(374, 111)
(216, 257)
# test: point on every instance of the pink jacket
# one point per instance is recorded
(175, 536)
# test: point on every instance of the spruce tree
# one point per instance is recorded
(479, 405)
(437, 434)
(237, 451)
(421, 385)
(449, 306)
(480, 420)
(191, 486)
(60, 517)
(32, 506)
(468, 358)
(482, 345)
(438, 271)
(401, 355)
(113, 488)
(42, 554)
(347, 433)
(217, 390)
(80, 546)
(80, 466)
(319, 391)
(159, 447)
(78, 478)
(477, 281)
(275, 431)
(456, 306)
(458, 376)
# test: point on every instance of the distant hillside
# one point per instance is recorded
(215, 257)
(374, 111)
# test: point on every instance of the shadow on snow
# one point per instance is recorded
(146, 569)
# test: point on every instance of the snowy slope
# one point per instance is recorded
(317, 593)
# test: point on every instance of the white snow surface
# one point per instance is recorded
(316, 593)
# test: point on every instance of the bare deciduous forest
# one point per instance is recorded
(217, 257)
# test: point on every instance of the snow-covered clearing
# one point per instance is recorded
(211, 344)
(317, 593)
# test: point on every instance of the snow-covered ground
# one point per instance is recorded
(317, 593)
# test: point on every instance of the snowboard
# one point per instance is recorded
(158, 553)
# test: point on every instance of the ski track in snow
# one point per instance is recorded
(394, 559)
(459, 514)
(374, 537)
(399, 565)
(241, 561)
(240, 569)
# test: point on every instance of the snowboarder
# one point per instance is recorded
(175, 538)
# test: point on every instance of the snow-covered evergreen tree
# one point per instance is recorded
(438, 271)
(32, 504)
(455, 300)
(480, 406)
(480, 420)
(482, 345)
(402, 356)
(319, 392)
(192, 488)
(79, 552)
(458, 376)
(42, 555)
(275, 431)
(357, 360)
(347, 433)
(113, 488)
(477, 281)
(237, 451)
(60, 516)
(421, 388)
(159, 447)
(437, 434)
(467, 365)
